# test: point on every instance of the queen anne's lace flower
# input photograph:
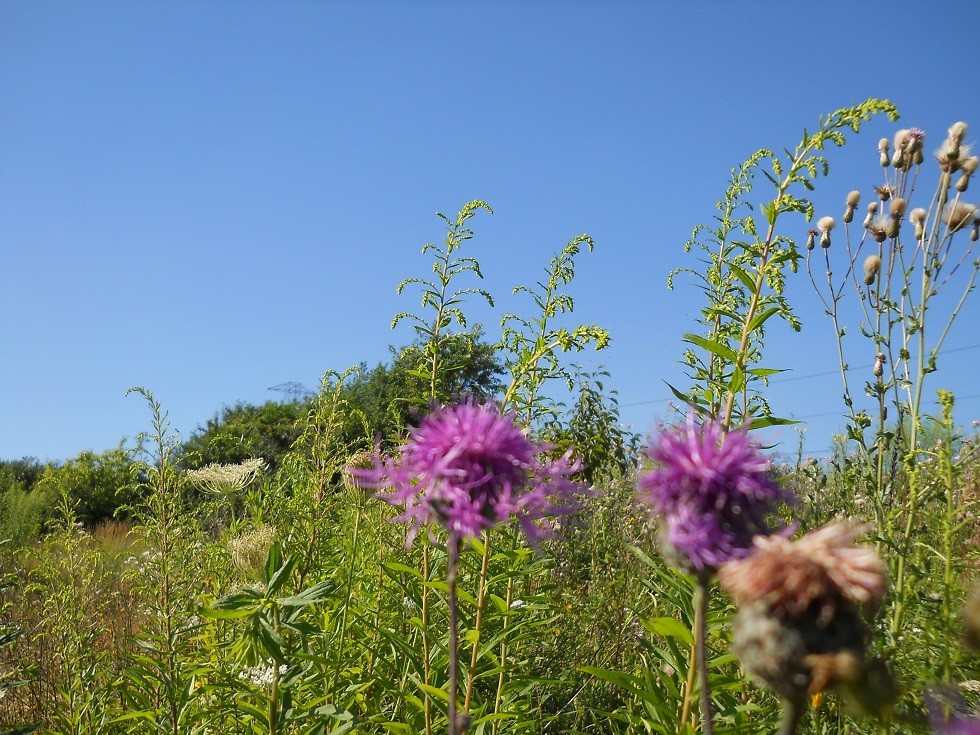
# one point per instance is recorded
(467, 468)
(712, 490)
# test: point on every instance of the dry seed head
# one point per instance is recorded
(872, 208)
(897, 208)
(957, 131)
(853, 198)
(884, 192)
(918, 216)
(970, 165)
(879, 228)
(901, 138)
(825, 224)
(959, 215)
(249, 550)
(883, 145)
(872, 266)
(810, 239)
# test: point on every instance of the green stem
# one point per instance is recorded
(792, 713)
(700, 636)
(478, 624)
(451, 568)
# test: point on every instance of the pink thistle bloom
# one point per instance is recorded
(467, 468)
(712, 490)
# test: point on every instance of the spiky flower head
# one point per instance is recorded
(712, 492)
(468, 468)
(823, 570)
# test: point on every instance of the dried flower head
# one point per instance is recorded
(918, 218)
(958, 215)
(951, 155)
(958, 131)
(467, 468)
(712, 491)
(897, 208)
(853, 198)
(872, 208)
(884, 192)
(249, 550)
(811, 239)
(872, 266)
(825, 225)
(823, 571)
(880, 227)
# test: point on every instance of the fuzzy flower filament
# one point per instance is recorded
(712, 491)
(467, 468)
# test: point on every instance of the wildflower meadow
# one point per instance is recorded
(468, 540)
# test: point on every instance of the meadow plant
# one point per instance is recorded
(911, 285)
(466, 469)
(712, 495)
(743, 278)
(800, 626)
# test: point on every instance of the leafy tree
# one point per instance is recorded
(393, 396)
(244, 431)
(99, 483)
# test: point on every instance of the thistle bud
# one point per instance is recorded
(872, 209)
(897, 208)
(968, 168)
(850, 205)
(879, 366)
(810, 242)
(872, 266)
(825, 225)
(918, 218)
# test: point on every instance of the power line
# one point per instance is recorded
(802, 377)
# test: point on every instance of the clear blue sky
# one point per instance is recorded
(209, 199)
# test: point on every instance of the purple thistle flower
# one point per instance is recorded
(467, 468)
(712, 490)
(956, 722)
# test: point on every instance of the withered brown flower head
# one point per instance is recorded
(824, 568)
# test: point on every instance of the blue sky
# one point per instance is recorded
(210, 199)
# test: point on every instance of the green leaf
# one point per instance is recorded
(716, 348)
(670, 628)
